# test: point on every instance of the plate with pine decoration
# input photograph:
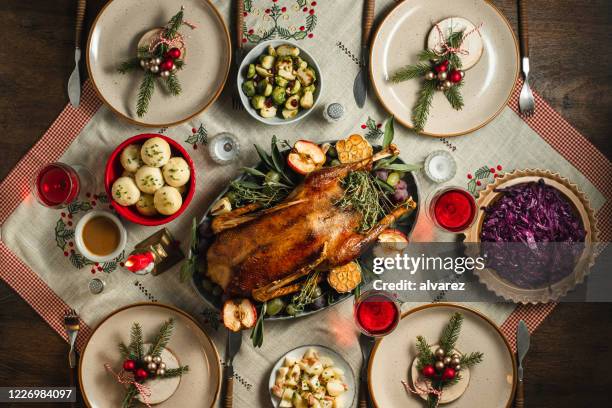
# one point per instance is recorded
(477, 89)
(190, 71)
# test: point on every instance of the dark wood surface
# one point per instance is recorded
(570, 43)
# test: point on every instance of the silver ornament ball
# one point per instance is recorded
(442, 76)
(157, 61)
(430, 75)
(173, 69)
(154, 69)
(447, 360)
(157, 359)
(164, 74)
(455, 361)
(462, 73)
(151, 366)
(144, 63)
(439, 353)
(457, 367)
(439, 366)
(148, 358)
(440, 88)
(447, 84)
(161, 366)
(161, 371)
(455, 355)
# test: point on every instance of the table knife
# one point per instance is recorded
(238, 49)
(367, 344)
(74, 82)
(360, 86)
(234, 341)
(522, 346)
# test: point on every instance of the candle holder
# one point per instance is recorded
(155, 255)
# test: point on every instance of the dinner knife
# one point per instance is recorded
(360, 86)
(522, 346)
(234, 341)
(367, 344)
(74, 82)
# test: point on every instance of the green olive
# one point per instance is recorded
(317, 292)
(274, 306)
(231, 196)
(393, 178)
(291, 309)
(272, 177)
(332, 152)
(335, 162)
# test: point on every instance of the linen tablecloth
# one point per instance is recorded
(38, 256)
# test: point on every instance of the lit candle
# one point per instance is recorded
(440, 166)
(140, 263)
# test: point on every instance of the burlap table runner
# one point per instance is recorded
(48, 276)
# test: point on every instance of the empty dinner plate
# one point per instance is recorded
(191, 346)
(114, 37)
(487, 86)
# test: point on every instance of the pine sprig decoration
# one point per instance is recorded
(162, 338)
(136, 346)
(173, 85)
(450, 334)
(174, 25)
(470, 360)
(145, 93)
(175, 372)
(420, 112)
(129, 398)
(410, 72)
(125, 352)
(424, 352)
(454, 97)
(129, 65)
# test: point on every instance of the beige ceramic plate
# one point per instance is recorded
(114, 37)
(488, 85)
(198, 388)
(491, 382)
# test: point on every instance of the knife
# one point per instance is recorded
(522, 346)
(234, 341)
(74, 82)
(238, 49)
(366, 343)
(360, 86)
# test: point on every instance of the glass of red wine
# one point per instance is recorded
(452, 209)
(377, 313)
(58, 184)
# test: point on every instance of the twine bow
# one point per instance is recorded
(426, 389)
(177, 42)
(123, 378)
(446, 48)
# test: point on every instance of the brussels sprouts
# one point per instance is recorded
(267, 61)
(289, 113)
(251, 71)
(292, 103)
(271, 51)
(262, 71)
(279, 95)
(280, 81)
(258, 101)
(307, 100)
(284, 64)
(306, 76)
(268, 111)
(295, 87)
(285, 50)
(248, 88)
(309, 88)
(264, 88)
(299, 63)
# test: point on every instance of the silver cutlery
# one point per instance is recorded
(367, 344)
(238, 51)
(234, 341)
(526, 101)
(523, 340)
(360, 86)
(71, 324)
(74, 82)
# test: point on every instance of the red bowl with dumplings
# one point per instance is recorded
(114, 170)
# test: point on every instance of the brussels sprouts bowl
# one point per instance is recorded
(279, 82)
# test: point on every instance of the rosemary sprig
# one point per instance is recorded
(306, 295)
(145, 92)
(246, 192)
(420, 112)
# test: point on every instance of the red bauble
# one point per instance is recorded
(129, 365)
(428, 371)
(446, 63)
(440, 68)
(454, 76)
(166, 64)
(141, 374)
(448, 374)
(173, 53)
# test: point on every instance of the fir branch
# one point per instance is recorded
(471, 359)
(172, 84)
(162, 338)
(143, 52)
(173, 25)
(454, 97)
(455, 38)
(410, 72)
(179, 63)
(428, 55)
(125, 351)
(129, 65)
(420, 112)
(136, 342)
(145, 92)
(424, 353)
(128, 399)
(450, 334)
(175, 372)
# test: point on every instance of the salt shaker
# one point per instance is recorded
(333, 112)
(223, 148)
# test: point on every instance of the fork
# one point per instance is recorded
(71, 324)
(239, 6)
(526, 101)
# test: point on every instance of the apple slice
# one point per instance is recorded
(305, 157)
(239, 314)
(392, 235)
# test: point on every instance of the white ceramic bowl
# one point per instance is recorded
(80, 245)
(253, 58)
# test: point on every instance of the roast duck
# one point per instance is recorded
(259, 253)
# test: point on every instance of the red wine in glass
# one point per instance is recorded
(376, 313)
(453, 209)
(57, 185)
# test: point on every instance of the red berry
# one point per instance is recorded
(478, 182)
(492, 170)
(469, 176)
(310, 35)
(312, 11)
(65, 253)
(305, 9)
(267, 11)
(314, 3)
(499, 167)
(63, 214)
(71, 244)
(251, 31)
(363, 126)
(496, 175)
(428, 371)
(284, 9)
(140, 374)
(454, 76)
(244, 40)
(166, 64)
(448, 374)
(440, 68)
(245, 14)
(129, 365)
(193, 130)
(302, 28)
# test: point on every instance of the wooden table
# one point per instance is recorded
(571, 44)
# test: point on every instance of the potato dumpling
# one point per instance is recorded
(130, 158)
(149, 179)
(125, 192)
(176, 172)
(155, 152)
(145, 205)
(167, 200)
